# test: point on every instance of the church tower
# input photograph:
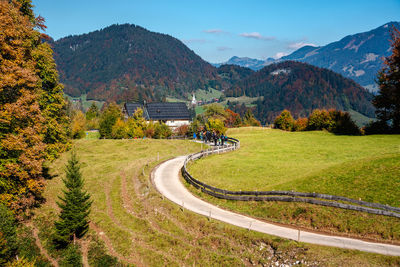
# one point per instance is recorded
(194, 101)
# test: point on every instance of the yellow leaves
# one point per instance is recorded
(31, 107)
(78, 125)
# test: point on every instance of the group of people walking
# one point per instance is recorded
(211, 137)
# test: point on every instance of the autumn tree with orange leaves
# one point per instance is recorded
(32, 118)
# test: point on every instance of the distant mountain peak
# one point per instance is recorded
(358, 56)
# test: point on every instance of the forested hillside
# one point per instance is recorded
(300, 88)
(233, 73)
(358, 56)
(128, 62)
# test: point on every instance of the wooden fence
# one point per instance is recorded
(284, 196)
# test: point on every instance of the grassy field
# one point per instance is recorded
(248, 101)
(92, 135)
(359, 167)
(207, 95)
(131, 222)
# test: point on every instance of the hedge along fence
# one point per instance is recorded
(284, 196)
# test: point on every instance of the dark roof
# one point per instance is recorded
(168, 111)
(160, 111)
(132, 107)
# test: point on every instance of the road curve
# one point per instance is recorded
(166, 180)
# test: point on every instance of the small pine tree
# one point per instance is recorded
(75, 206)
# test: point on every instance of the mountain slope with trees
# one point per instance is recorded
(233, 73)
(300, 88)
(128, 62)
(358, 56)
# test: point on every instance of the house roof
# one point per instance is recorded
(168, 111)
(132, 107)
(160, 111)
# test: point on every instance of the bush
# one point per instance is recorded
(21, 262)
(319, 120)
(215, 125)
(119, 131)
(284, 121)
(108, 118)
(8, 235)
(135, 127)
(377, 127)
(162, 131)
(249, 119)
(78, 124)
(343, 124)
(300, 124)
(150, 130)
(182, 130)
(27, 247)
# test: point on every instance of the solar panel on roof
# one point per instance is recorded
(161, 111)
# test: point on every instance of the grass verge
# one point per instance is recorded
(131, 223)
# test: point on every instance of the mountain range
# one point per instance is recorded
(129, 63)
(300, 88)
(358, 57)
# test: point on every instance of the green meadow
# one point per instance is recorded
(359, 167)
(134, 225)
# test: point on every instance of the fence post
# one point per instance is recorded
(298, 235)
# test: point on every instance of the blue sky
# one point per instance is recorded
(217, 30)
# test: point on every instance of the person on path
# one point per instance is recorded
(201, 136)
(215, 136)
(194, 136)
(222, 139)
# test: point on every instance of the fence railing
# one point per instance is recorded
(284, 196)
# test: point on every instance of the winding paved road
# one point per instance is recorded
(166, 180)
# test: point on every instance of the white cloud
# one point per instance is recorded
(257, 35)
(299, 45)
(215, 31)
(223, 48)
(280, 54)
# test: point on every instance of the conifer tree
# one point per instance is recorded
(75, 206)
(387, 101)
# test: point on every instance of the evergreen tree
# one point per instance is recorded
(249, 119)
(75, 206)
(92, 112)
(387, 101)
